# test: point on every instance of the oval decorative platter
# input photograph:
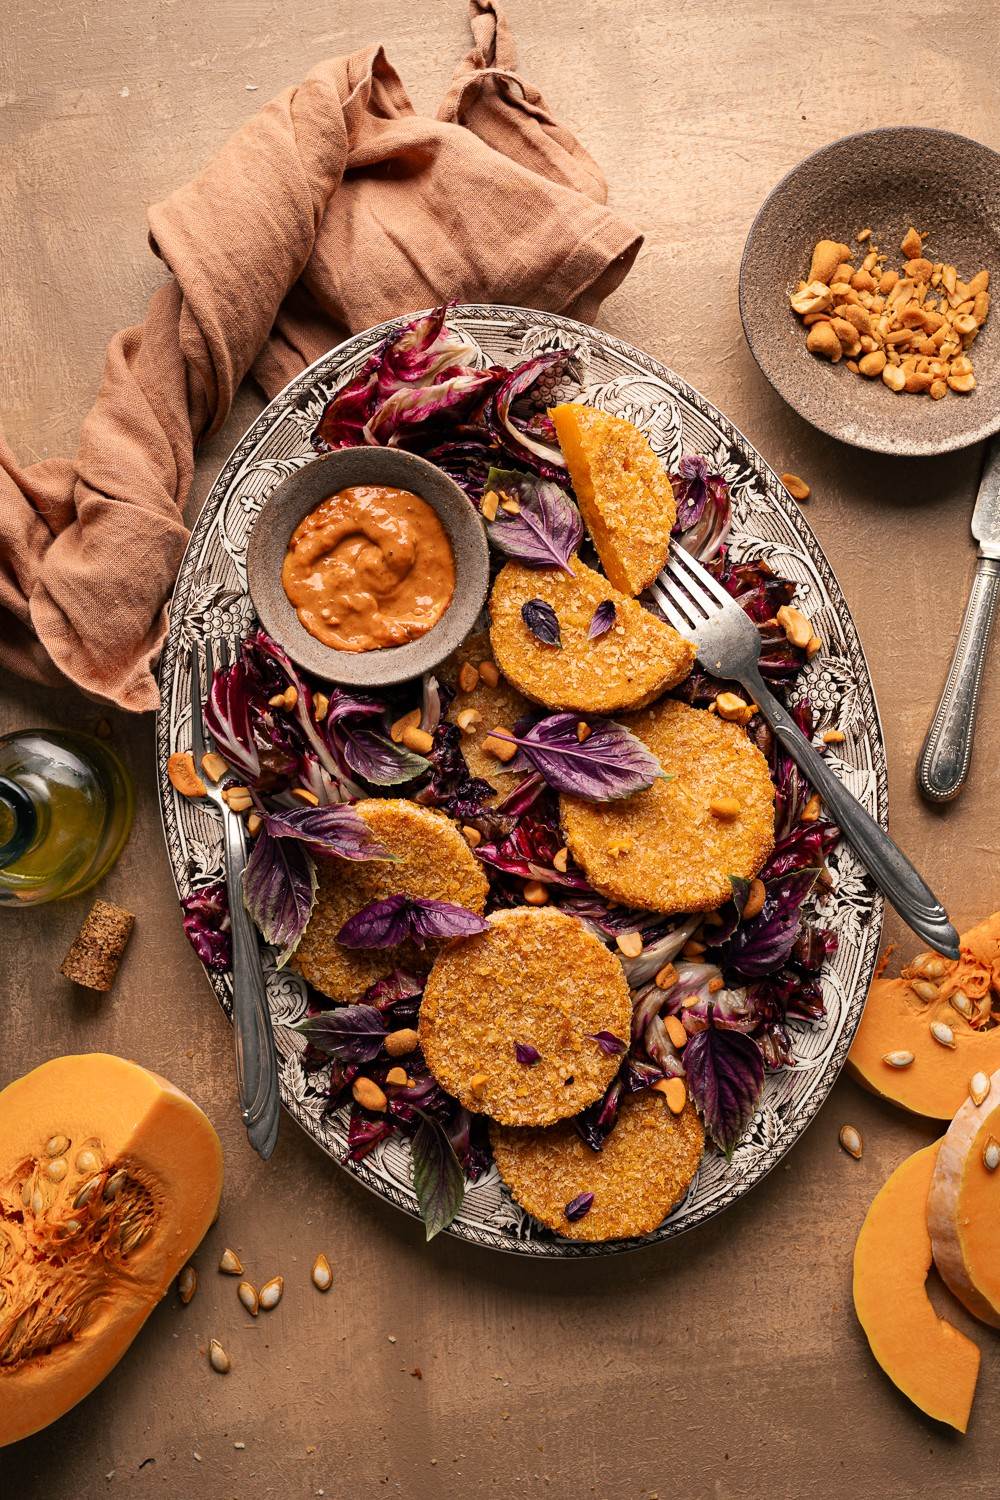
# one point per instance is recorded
(211, 598)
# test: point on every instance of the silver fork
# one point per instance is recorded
(728, 645)
(256, 1059)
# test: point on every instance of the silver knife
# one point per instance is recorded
(944, 761)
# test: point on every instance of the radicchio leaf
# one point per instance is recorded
(527, 853)
(604, 617)
(595, 1123)
(725, 1074)
(527, 1055)
(399, 919)
(354, 1033)
(762, 945)
(279, 891)
(410, 406)
(547, 529)
(532, 441)
(579, 1206)
(541, 620)
(206, 922)
(438, 1179)
(327, 830)
(364, 1134)
(610, 763)
(703, 510)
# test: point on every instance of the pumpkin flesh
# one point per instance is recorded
(109, 1178)
(963, 1209)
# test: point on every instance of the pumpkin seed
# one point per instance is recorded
(924, 989)
(322, 1273)
(131, 1236)
(218, 1358)
(86, 1160)
(270, 1292)
(114, 1185)
(230, 1263)
(900, 1059)
(962, 1004)
(187, 1284)
(850, 1139)
(85, 1194)
(991, 1154)
(942, 1033)
(57, 1145)
(26, 1194)
(71, 1226)
(56, 1170)
(37, 1202)
(247, 1293)
(979, 1086)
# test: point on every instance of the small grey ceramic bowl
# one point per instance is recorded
(299, 494)
(887, 180)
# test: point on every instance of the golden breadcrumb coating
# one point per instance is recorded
(432, 860)
(624, 493)
(502, 704)
(633, 663)
(537, 977)
(664, 849)
(645, 1169)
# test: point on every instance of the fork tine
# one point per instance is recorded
(224, 653)
(197, 735)
(675, 604)
(688, 567)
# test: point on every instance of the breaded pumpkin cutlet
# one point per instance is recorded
(674, 847)
(432, 860)
(630, 665)
(646, 1167)
(537, 980)
(624, 492)
(495, 703)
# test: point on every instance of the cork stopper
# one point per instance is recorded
(93, 959)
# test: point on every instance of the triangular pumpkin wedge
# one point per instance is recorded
(963, 1210)
(627, 666)
(623, 490)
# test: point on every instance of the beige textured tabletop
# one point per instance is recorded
(728, 1364)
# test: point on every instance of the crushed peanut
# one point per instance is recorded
(796, 487)
(302, 794)
(468, 677)
(502, 749)
(912, 328)
(417, 739)
(535, 893)
(666, 977)
(488, 673)
(488, 509)
(724, 807)
(629, 944)
(472, 836)
(675, 1029)
(399, 728)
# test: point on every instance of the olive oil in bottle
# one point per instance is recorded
(66, 805)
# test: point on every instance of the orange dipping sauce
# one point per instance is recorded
(371, 566)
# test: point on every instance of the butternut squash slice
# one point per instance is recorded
(625, 495)
(929, 1360)
(900, 1013)
(109, 1178)
(963, 1210)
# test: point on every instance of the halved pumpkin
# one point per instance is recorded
(929, 1360)
(963, 1210)
(899, 1015)
(109, 1178)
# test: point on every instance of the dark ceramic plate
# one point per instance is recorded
(887, 179)
(304, 489)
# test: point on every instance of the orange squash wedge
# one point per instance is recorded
(932, 991)
(963, 1209)
(931, 1362)
(625, 495)
(109, 1178)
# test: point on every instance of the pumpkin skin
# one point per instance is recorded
(963, 1210)
(896, 1018)
(109, 1178)
(931, 1362)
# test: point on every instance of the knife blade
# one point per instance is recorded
(944, 760)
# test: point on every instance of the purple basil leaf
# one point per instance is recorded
(376, 758)
(279, 891)
(610, 763)
(540, 618)
(703, 509)
(579, 1206)
(763, 944)
(398, 919)
(354, 1033)
(725, 1073)
(206, 922)
(610, 1045)
(327, 830)
(604, 617)
(596, 1122)
(392, 988)
(438, 1179)
(527, 1055)
(547, 529)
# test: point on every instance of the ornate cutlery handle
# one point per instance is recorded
(944, 760)
(256, 1060)
(885, 861)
